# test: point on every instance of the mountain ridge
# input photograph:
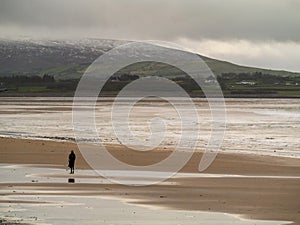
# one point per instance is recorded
(68, 59)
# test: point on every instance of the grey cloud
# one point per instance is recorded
(254, 20)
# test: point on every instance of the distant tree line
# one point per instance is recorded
(231, 82)
(257, 76)
(17, 80)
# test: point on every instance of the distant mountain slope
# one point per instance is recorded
(69, 59)
(219, 67)
(63, 59)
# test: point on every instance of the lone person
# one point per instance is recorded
(72, 158)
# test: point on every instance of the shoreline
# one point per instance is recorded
(73, 141)
(250, 196)
(71, 95)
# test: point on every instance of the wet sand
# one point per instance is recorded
(268, 187)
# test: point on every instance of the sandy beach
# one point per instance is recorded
(149, 112)
(249, 185)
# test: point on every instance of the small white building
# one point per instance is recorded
(246, 83)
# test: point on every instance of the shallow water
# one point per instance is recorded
(91, 210)
(264, 126)
(48, 208)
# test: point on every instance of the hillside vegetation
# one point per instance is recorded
(55, 67)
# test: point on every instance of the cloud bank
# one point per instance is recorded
(252, 29)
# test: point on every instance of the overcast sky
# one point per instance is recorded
(264, 33)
